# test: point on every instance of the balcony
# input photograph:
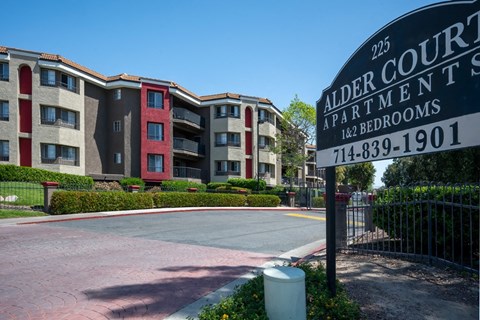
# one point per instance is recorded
(55, 83)
(60, 123)
(187, 173)
(188, 120)
(188, 148)
(60, 160)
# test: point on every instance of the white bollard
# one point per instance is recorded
(285, 293)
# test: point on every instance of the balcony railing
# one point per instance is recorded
(227, 173)
(188, 145)
(52, 83)
(4, 158)
(60, 160)
(60, 123)
(187, 115)
(4, 76)
(187, 172)
(4, 116)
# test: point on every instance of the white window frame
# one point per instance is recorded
(4, 71)
(117, 94)
(155, 161)
(155, 99)
(117, 158)
(155, 131)
(117, 126)
(4, 111)
(4, 150)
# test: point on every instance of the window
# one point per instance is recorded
(117, 158)
(227, 138)
(265, 142)
(117, 94)
(227, 111)
(155, 163)
(117, 126)
(4, 112)
(155, 131)
(58, 154)
(58, 117)
(48, 77)
(68, 82)
(4, 71)
(155, 99)
(264, 115)
(227, 168)
(266, 170)
(4, 150)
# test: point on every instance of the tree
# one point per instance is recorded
(361, 175)
(297, 128)
(458, 166)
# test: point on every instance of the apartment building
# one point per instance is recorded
(61, 116)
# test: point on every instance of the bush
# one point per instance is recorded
(318, 202)
(179, 185)
(9, 172)
(248, 183)
(194, 199)
(64, 202)
(262, 200)
(230, 189)
(248, 303)
(215, 185)
(131, 181)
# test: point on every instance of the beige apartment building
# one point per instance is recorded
(58, 115)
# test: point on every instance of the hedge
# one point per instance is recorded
(188, 199)
(64, 202)
(262, 200)
(10, 172)
(179, 185)
(251, 184)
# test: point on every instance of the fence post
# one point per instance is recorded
(133, 188)
(48, 188)
(291, 198)
(341, 201)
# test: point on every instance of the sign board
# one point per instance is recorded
(411, 88)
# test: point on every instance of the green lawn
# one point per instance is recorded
(8, 213)
(29, 194)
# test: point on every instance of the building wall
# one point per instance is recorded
(155, 147)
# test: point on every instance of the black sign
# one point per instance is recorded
(411, 88)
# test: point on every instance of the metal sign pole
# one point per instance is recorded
(331, 245)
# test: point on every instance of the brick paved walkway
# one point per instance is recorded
(49, 272)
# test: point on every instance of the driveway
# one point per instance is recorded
(141, 266)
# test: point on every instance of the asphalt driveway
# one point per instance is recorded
(138, 267)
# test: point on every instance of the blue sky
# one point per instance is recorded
(265, 48)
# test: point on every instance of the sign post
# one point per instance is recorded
(412, 88)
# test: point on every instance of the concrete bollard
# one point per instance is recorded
(285, 293)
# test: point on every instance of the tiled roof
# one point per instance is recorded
(126, 77)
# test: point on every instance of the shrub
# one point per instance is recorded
(404, 212)
(64, 202)
(248, 303)
(318, 202)
(9, 172)
(180, 185)
(248, 183)
(215, 185)
(131, 181)
(262, 200)
(230, 189)
(189, 199)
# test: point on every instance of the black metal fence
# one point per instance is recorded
(433, 223)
